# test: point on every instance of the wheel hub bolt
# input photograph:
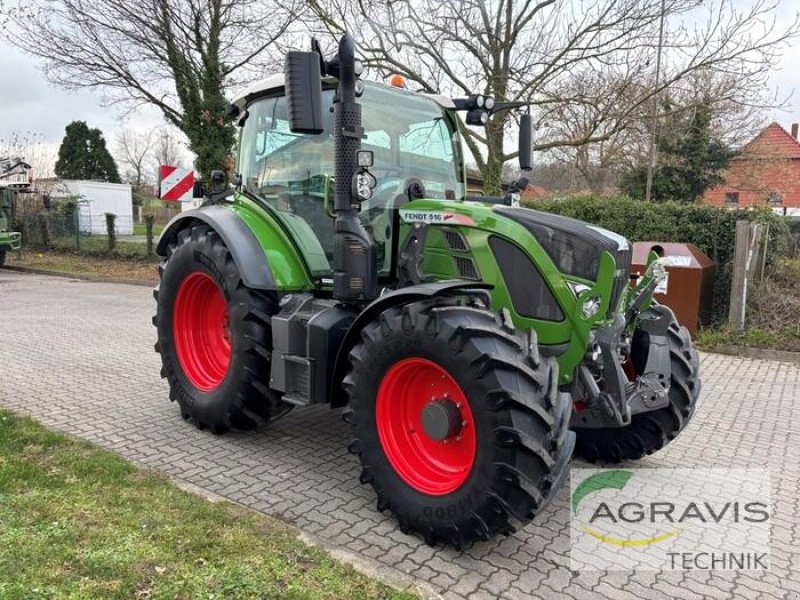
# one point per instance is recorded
(441, 419)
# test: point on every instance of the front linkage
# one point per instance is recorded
(639, 385)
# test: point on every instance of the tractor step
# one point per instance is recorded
(298, 373)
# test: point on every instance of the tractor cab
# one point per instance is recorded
(294, 172)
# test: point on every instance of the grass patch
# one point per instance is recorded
(143, 270)
(80, 522)
(141, 229)
(778, 338)
(98, 246)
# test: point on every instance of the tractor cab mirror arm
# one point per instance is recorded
(479, 108)
(525, 131)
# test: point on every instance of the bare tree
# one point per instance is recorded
(134, 150)
(32, 148)
(167, 150)
(595, 57)
(177, 55)
(737, 108)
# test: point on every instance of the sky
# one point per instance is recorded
(29, 104)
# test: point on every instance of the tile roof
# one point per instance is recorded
(775, 141)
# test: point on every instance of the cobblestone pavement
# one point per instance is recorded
(79, 357)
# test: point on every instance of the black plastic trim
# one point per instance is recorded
(529, 291)
(553, 232)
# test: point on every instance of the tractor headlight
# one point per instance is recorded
(590, 307)
(488, 103)
(477, 116)
(364, 184)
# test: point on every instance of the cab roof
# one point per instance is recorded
(274, 83)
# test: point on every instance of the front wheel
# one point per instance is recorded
(457, 421)
(214, 335)
(650, 431)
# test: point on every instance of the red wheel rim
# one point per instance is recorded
(435, 467)
(200, 329)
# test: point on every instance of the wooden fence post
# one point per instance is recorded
(748, 266)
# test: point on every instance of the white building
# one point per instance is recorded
(14, 173)
(95, 199)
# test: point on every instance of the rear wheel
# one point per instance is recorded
(457, 421)
(214, 335)
(650, 431)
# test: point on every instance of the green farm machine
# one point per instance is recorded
(472, 345)
(9, 240)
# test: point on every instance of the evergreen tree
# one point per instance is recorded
(83, 155)
(691, 158)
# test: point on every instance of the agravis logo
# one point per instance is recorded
(670, 518)
(610, 480)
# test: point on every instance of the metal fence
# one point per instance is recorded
(43, 229)
(80, 232)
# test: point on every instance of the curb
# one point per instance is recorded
(364, 565)
(756, 353)
(80, 276)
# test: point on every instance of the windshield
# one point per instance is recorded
(409, 134)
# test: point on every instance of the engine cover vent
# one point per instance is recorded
(456, 241)
(466, 267)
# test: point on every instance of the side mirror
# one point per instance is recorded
(304, 92)
(526, 142)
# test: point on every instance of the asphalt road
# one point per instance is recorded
(79, 357)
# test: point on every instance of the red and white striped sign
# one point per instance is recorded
(175, 184)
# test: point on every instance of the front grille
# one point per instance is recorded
(466, 267)
(622, 279)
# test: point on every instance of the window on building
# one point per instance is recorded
(731, 197)
(775, 198)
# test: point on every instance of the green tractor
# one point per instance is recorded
(473, 345)
(9, 240)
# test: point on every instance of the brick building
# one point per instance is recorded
(765, 173)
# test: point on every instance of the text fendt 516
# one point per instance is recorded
(472, 345)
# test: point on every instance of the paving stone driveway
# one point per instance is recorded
(79, 357)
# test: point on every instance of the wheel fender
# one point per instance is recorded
(413, 293)
(238, 237)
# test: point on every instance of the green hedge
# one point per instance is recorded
(711, 229)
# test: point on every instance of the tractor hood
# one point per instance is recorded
(574, 246)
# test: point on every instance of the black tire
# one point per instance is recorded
(2, 257)
(521, 422)
(650, 431)
(242, 400)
